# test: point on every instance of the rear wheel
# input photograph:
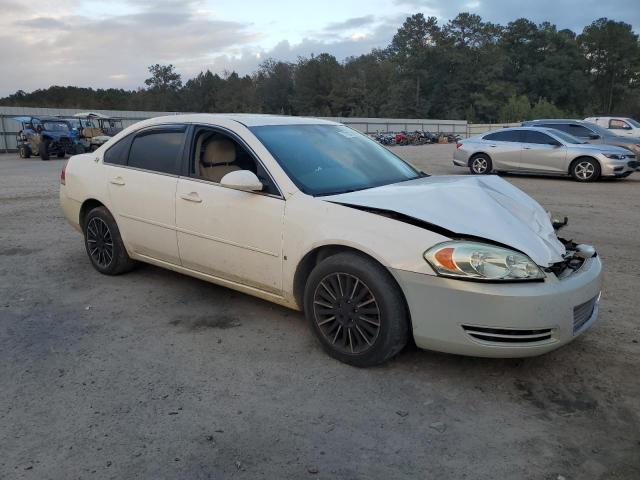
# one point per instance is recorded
(104, 244)
(356, 310)
(25, 152)
(585, 170)
(480, 164)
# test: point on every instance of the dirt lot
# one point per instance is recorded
(156, 375)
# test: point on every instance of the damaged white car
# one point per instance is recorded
(317, 217)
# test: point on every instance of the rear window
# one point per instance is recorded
(117, 153)
(158, 150)
(506, 136)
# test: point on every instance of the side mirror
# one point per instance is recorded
(594, 136)
(242, 180)
(555, 143)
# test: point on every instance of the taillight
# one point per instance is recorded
(458, 145)
(63, 173)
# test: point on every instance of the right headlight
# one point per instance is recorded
(480, 261)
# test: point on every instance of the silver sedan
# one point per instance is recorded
(543, 151)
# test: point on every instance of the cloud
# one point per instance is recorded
(350, 23)
(72, 49)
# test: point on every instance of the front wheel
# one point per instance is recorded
(44, 150)
(480, 165)
(585, 170)
(356, 310)
(104, 244)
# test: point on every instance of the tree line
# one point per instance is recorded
(465, 69)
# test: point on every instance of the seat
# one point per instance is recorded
(218, 159)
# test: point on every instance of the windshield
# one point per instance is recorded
(565, 137)
(55, 126)
(633, 122)
(332, 159)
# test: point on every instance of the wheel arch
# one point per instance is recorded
(86, 207)
(475, 154)
(583, 157)
(322, 252)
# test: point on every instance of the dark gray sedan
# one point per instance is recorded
(542, 150)
(588, 132)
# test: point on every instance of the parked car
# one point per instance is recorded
(589, 132)
(318, 217)
(542, 150)
(622, 126)
(46, 136)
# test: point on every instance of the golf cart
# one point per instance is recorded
(46, 136)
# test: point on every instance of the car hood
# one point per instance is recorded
(486, 207)
(598, 147)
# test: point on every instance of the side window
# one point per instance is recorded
(215, 154)
(507, 136)
(531, 136)
(117, 153)
(617, 124)
(158, 150)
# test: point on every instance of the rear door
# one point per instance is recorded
(542, 153)
(142, 171)
(504, 148)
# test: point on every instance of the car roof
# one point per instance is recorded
(535, 129)
(247, 119)
(554, 120)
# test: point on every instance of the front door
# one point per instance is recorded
(228, 233)
(142, 172)
(542, 153)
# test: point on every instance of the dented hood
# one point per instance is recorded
(482, 206)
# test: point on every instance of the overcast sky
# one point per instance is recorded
(111, 43)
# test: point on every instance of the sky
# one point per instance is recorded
(111, 43)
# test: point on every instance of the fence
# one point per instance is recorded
(9, 128)
(478, 128)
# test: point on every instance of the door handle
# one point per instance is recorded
(117, 181)
(493, 146)
(526, 148)
(191, 197)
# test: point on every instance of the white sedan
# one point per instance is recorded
(315, 216)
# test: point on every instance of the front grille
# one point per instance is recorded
(582, 313)
(507, 335)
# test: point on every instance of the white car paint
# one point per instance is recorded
(486, 207)
(621, 126)
(254, 242)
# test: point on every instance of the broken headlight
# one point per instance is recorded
(480, 261)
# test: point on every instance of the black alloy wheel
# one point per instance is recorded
(346, 313)
(99, 242)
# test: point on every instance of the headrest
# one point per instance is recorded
(219, 151)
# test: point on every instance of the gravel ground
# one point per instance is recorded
(157, 375)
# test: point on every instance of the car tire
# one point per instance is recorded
(585, 170)
(370, 322)
(104, 244)
(44, 150)
(480, 164)
(24, 152)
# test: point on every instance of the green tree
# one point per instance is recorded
(516, 109)
(612, 58)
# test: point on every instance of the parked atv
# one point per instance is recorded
(46, 136)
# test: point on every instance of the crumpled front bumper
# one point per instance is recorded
(501, 319)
